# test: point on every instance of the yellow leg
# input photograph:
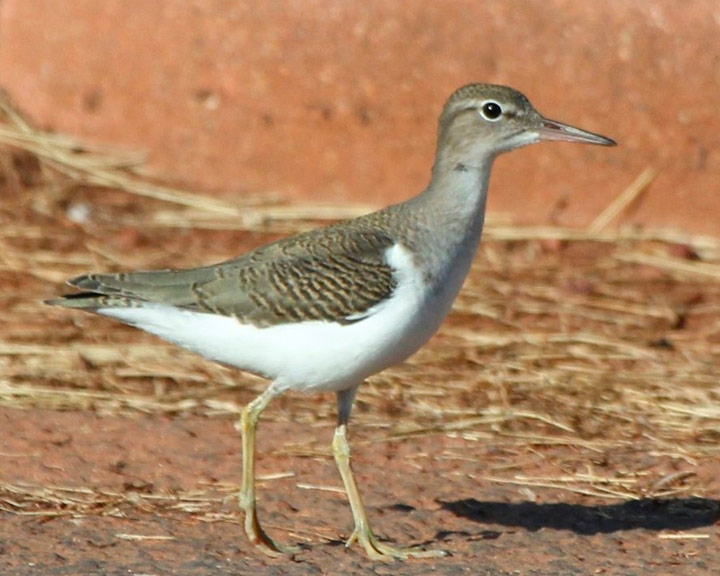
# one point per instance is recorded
(248, 425)
(362, 532)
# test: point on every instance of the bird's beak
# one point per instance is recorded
(553, 130)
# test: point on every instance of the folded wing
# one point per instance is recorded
(335, 274)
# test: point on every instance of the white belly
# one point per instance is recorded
(311, 356)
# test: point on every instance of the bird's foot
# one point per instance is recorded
(377, 550)
(263, 542)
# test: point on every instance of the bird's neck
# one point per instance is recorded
(447, 218)
(455, 199)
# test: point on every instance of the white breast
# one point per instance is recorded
(312, 356)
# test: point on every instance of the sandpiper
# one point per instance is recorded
(323, 310)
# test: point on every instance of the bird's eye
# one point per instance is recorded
(491, 111)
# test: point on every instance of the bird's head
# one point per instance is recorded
(480, 121)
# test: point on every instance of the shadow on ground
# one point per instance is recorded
(649, 514)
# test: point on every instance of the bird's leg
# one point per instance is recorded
(362, 532)
(248, 424)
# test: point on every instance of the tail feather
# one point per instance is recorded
(173, 287)
(125, 290)
(92, 301)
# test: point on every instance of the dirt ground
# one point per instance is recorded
(565, 420)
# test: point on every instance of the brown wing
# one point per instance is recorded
(334, 274)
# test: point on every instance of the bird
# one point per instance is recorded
(324, 310)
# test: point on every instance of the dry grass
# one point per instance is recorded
(53, 501)
(598, 340)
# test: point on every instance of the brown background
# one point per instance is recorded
(337, 101)
(564, 421)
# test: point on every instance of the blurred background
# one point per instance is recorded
(567, 415)
(336, 102)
